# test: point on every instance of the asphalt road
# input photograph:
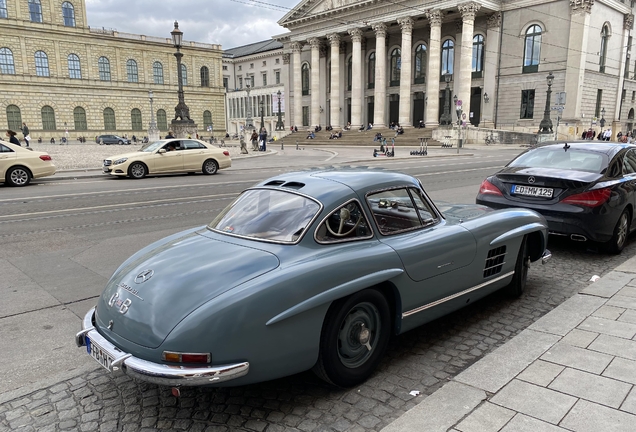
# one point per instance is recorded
(61, 239)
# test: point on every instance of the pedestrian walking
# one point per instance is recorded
(12, 138)
(25, 133)
(263, 139)
(254, 139)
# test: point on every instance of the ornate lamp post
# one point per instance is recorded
(153, 130)
(545, 127)
(446, 118)
(249, 123)
(182, 124)
(458, 111)
(261, 106)
(279, 124)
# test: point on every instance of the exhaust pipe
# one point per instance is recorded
(578, 237)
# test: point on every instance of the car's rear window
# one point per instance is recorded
(267, 214)
(558, 157)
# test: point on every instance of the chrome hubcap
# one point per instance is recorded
(358, 335)
(621, 235)
(19, 177)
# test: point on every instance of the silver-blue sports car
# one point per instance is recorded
(315, 269)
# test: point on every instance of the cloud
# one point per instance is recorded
(226, 22)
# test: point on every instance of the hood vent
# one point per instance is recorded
(495, 261)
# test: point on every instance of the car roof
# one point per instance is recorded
(605, 147)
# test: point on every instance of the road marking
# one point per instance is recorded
(458, 171)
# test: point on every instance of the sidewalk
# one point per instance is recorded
(572, 370)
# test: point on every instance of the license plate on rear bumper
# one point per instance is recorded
(532, 191)
(98, 353)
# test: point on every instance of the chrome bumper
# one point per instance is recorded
(156, 373)
(546, 256)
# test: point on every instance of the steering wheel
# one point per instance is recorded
(345, 216)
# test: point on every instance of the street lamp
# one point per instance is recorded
(153, 130)
(545, 127)
(261, 106)
(248, 121)
(181, 110)
(279, 124)
(446, 118)
(603, 118)
(458, 112)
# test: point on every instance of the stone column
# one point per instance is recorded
(576, 60)
(628, 25)
(491, 61)
(356, 85)
(433, 73)
(468, 11)
(404, 117)
(379, 101)
(315, 81)
(334, 105)
(285, 81)
(297, 113)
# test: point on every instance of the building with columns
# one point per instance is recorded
(376, 61)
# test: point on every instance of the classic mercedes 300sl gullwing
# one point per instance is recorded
(315, 269)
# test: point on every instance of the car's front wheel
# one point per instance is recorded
(120, 142)
(619, 237)
(137, 170)
(354, 337)
(518, 284)
(18, 176)
(210, 167)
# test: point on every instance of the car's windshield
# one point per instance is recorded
(267, 215)
(153, 146)
(558, 157)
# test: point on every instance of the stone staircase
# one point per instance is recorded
(410, 137)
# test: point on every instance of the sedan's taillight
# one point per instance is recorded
(178, 357)
(226, 153)
(45, 157)
(488, 188)
(589, 199)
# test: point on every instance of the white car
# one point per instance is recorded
(169, 156)
(18, 165)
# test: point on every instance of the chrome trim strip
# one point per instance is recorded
(157, 373)
(495, 266)
(496, 256)
(454, 296)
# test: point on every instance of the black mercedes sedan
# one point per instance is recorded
(586, 190)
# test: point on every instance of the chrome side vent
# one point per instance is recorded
(495, 261)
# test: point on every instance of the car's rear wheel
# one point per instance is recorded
(210, 167)
(619, 237)
(18, 176)
(137, 170)
(354, 336)
(518, 283)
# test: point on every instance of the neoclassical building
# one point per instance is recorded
(59, 74)
(379, 61)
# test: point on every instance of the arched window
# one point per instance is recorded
(207, 119)
(135, 119)
(304, 73)
(184, 75)
(131, 70)
(3, 9)
(74, 67)
(162, 120)
(6, 62)
(41, 64)
(79, 116)
(603, 53)
(478, 56)
(109, 120)
(396, 65)
(14, 117)
(448, 57)
(419, 73)
(349, 73)
(371, 72)
(104, 69)
(68, 13)
(205, 77)
(157, 72)
(532, 49)
(48, 118)
(35, 11)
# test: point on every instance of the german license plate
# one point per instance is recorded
(532, 191)
(98, 353)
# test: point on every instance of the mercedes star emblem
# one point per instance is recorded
(144, 276)
(530, 180)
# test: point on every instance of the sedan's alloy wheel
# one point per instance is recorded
(210, 167)
(137, 170)
(19, 176)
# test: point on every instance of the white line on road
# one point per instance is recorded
(457, 171)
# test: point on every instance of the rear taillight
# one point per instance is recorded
(45, 157)
(226, 153)
(589, 199)
(177, 357)
(488, 188)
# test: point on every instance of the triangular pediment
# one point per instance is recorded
(308, 9)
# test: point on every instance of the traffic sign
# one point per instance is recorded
(560, 98)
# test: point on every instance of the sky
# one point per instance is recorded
(231, 23)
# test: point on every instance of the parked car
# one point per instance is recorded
(305, 270)
(585, 190)
(18, 165)
(112, 139)
(169, 156)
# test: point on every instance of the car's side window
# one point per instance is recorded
(191, 144)
(394, 211)
(5, 149)
(425, 211)
(629, 163)
(346, 223)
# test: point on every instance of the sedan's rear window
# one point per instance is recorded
(558, 157)
(267, 215)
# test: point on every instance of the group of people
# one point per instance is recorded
(604, 135)
(259, 140)
(368, 128)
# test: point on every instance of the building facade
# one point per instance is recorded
(253, 76)
(57, 74)
(375, 61)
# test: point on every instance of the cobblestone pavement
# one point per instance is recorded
(423, 359)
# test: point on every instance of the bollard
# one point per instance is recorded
(282, 145)
(297, 145)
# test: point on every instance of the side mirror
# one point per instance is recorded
(161, 151)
